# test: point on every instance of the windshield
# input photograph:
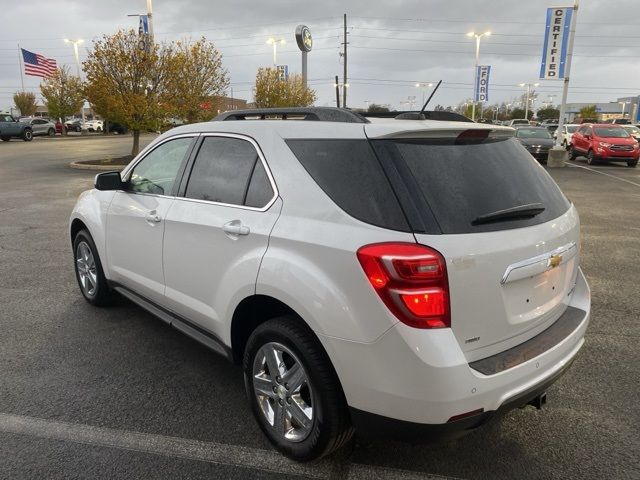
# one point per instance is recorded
(533, 133)
(611, 132)
(572, 128)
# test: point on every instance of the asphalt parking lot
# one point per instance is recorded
(115, 393)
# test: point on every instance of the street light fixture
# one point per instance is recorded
(526, 108)
(624, 104)
(75, 44)
(423, 86)
(477, 36)
(275, 42)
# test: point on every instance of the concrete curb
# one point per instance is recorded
(81, 165)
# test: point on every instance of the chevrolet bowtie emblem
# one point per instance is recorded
(555, 260)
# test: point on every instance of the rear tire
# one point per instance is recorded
(632, 163)
(6, 139)
(89, 273)
(27, 135)
(326, 424)
(572, 153)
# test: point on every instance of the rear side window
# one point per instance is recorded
(228, 170)
(350, 174)
(463, 182)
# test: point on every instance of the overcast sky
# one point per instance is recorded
(392, 44)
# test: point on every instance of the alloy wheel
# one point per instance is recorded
(283, 392)
(86, 268)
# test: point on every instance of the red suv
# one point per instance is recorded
(604, 142)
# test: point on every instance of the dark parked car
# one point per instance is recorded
(11, 128)
(537, 140)
(113, 127)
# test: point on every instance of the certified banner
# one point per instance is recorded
(482, 83)
(556, 42)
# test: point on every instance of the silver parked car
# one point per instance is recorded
(40, 126)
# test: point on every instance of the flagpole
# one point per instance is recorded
(21, 67)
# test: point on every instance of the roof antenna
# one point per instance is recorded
(430, 96)
(416, 115)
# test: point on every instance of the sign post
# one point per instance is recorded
(305, 44)
(557, 53)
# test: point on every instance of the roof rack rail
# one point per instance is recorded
(322, 114)
(439, 115)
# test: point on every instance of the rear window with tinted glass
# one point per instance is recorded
(460, 183)
(350, 174)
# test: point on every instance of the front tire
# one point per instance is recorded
(89, 273)
(294, 391)
(6, 139)
(591, 159)
(51, 132)
(27, 135)
(573, 154)
(632, 163)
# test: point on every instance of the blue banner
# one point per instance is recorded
(144, 25)
(556, 43)
(482, 83)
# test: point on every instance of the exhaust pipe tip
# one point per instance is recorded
(540, 401)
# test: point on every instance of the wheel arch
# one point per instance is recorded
(75, 227)
(250, 313)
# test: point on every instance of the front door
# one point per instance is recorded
(217, 232)
(136, 218)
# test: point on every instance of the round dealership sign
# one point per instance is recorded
(303, 38)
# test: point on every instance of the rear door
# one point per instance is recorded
(509, 278)
(218, 230)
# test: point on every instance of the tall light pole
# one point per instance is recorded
(275, 42)
(150, 19)
(477, 36)
(423, 87)
(75, 44)
(526, 107)
(624, 104)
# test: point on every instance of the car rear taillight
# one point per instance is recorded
(411, 280)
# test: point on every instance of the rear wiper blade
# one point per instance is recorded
(521, 211)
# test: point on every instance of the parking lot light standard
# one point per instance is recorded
(423, 87)
(477, 36)
(275, 42)
(526, 107)
(75, 44)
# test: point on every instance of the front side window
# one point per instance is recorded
(229, 170)
(156, 173)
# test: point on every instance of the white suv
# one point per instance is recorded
(403, 278)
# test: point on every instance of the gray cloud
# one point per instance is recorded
(404, 41)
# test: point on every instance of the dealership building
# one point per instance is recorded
(609, 110)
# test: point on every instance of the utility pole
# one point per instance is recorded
(337, 84)
(344, 56)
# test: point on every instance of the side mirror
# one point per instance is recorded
(108, 181)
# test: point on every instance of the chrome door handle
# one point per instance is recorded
(153, 217)
(235, 227)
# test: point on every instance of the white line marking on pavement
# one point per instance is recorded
(603, 173)
(218, 453)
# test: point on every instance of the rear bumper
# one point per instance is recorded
(420, 379)
(377, 426)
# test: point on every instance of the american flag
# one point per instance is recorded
(37, 65)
